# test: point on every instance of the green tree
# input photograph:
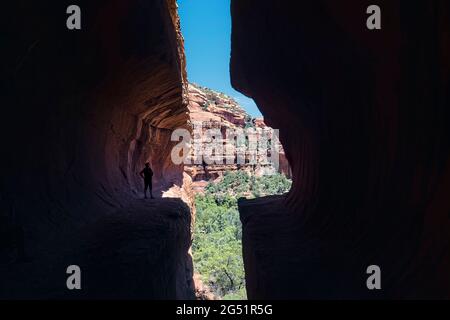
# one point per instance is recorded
(217, 247)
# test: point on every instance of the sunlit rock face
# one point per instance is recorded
(364, 122)
(212, 110)
(83, 111)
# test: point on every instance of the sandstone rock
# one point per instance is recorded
(99, 103)
(202, 291)
(216, 110)
(364, 124)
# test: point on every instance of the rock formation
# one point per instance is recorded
(83, 111)
(364, 122)
(213, 110)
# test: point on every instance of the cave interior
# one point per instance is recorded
(363, 118)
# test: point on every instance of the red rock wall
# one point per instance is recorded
(364, 122)
(82, 112)
(212, 110)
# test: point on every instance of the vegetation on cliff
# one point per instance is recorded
(217, 248)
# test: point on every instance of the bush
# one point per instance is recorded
(217, 248)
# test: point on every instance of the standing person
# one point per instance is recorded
(147, 175)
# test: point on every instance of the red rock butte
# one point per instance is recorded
(213, 110)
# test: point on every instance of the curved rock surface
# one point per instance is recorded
(364, 122)
(83, 111)
(210, 109)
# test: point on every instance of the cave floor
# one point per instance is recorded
(137, 252)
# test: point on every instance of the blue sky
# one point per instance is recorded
(206, 27)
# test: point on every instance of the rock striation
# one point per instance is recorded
(364, 123)
(86, 109)
(214, 110)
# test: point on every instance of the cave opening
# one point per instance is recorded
(233, 153)
(105, 105)
(365, 124)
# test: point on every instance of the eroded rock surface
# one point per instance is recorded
(83, 111)
(364, 123)
(210, 109)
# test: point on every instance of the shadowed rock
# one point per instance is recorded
(85, 110)
(363, 117)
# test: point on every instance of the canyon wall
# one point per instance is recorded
(364, 122)
(209, 109)
(83, 110)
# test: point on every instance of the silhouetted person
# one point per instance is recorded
(147, 175)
